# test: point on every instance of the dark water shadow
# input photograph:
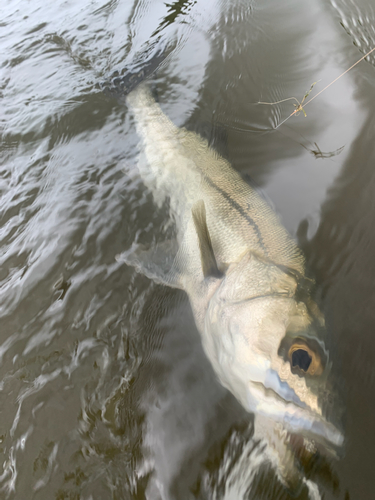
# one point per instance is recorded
(342, 256)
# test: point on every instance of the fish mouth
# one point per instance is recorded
(278, 401)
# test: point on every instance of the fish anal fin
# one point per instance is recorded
(208, 260)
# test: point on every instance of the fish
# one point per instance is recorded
(246, 281)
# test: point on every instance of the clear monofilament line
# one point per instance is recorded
(326, 87)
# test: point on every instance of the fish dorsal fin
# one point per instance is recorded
(209, 264)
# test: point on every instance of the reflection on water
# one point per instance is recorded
(105, 390)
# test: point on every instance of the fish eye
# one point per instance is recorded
(303, 358)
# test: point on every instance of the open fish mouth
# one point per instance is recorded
(283, 406)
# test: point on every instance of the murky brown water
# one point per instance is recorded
(105, 390)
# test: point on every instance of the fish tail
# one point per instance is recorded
(144, 65)
(160, 160)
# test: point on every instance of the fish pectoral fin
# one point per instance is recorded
(208, 260)
(156, 263)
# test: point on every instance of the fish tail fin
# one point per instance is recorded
(145, 64)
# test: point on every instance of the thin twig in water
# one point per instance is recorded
(300, 107)
(321, 154)
(317, 152)
(278, 102)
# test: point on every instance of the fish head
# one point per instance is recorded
(266, 348)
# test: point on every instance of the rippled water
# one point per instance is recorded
(105, 390)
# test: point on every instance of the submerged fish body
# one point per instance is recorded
(245, 278)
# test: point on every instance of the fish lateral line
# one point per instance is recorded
(236, 206)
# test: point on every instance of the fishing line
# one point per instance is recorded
(325, 88)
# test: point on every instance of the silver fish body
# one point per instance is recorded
(242, 272)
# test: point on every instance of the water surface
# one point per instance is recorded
(105, 390)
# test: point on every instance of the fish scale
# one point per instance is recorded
(179, 165)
